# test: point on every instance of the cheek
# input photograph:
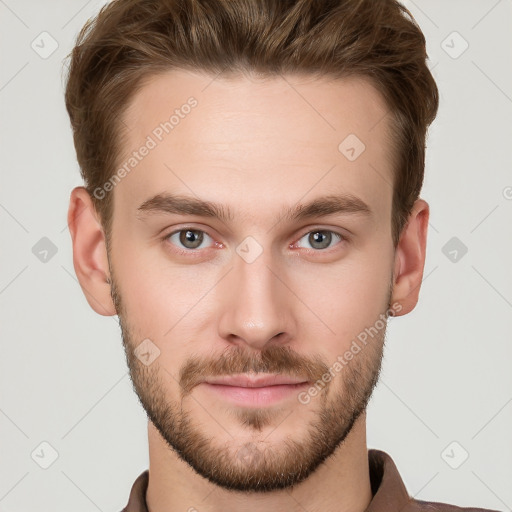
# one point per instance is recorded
(348, 297)
(156, 293)
(159, 299)
(163, 303)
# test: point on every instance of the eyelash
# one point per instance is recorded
(191, 252)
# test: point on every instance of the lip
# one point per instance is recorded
(257, 381)
(255, 391)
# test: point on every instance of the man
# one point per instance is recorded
(252, 215)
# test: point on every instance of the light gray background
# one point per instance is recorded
(447, 369)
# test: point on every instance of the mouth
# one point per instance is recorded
(259, 390)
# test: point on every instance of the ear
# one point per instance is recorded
(90, 252)
(410, 258)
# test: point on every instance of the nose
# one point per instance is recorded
(256, 306)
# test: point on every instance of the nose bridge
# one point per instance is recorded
(256, 309)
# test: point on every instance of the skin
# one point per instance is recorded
(258, 147)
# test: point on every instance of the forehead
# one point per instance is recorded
(249, 141)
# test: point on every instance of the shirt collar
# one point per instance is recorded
(388, 490)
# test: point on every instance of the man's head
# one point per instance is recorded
(253, 171)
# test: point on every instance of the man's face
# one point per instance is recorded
(258, 292)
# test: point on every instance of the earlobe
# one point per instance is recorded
(410, 258)
(89, 252)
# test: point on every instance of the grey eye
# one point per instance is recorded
(321, 238)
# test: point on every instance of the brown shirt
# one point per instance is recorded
(388, 490)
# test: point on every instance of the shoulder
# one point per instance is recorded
(431, 506)
(389, 491)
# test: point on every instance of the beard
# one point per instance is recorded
(256, 465)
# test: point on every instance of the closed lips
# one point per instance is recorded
(246, 381)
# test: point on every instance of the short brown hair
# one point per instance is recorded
(132, 40)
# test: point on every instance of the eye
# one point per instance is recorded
(188, 238)
(191, 239)
(321, 239)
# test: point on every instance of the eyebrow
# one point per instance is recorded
(186, 205)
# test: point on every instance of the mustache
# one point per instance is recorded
(274, 359)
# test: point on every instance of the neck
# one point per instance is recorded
(340, 484)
